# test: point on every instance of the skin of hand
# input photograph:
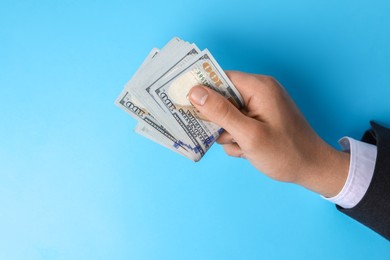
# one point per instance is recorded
(272, 134)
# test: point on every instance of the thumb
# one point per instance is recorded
(219, 110)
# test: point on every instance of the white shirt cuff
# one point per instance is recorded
(361, 170)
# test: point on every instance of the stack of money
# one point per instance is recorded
(156, 96)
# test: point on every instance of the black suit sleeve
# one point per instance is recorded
(374, 208)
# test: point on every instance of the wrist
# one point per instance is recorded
(327, 173)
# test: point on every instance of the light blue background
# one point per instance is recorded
(77, 183)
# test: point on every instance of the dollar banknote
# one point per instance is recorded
(156, 96)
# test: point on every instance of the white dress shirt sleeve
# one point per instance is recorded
(361, 170)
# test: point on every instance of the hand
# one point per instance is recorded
(273, 135)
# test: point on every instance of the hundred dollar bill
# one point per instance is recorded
(157, 97)
(127, 102)
(171, 95)
(169, 54)
(142, 91)
(131, 105)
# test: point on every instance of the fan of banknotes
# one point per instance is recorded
(156, 96)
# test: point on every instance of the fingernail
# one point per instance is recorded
(198, 95)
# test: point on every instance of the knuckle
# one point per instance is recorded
(266, 78)
(231, 150)
(235, 76)
(224, 138)
(231, 154)
(272, 80)
(272, 87)
(240, 78)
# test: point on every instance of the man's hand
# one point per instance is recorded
(273, 135)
